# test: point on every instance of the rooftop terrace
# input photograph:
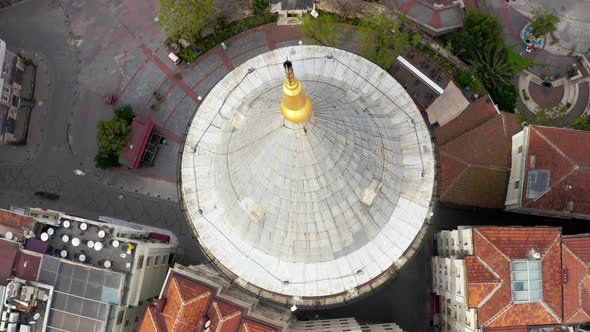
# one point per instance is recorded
(87, 242)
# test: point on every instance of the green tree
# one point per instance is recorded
(186, 18)
(382, 39)
(481, 31)
(493, 69)
(125, 113)
(496, 73)
(260, 7)
(104, 161)
(505, 97)
(322, 28)
(544, 22)
(112, 136)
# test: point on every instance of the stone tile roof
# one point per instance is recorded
(564, 153)
(436, 19)
(494, 249)
(186, 304)
(576, 289)
(474, 156)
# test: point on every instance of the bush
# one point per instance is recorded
(416, 39)
(505, 97)
(47, 195)
(581, 123)
(187, 55)
(125, 113)
(464, 78)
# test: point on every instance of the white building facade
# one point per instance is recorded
(449, 278)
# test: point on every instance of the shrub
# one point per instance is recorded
(260, 7)
(47, 195)
(187, 55)
(464, 78)
(416, 39)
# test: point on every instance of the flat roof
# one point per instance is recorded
(121, 260)
(81, 296)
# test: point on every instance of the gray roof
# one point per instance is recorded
(82, 295)
(310, 210)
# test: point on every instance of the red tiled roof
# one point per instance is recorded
(482, 282)
(27, 265)
(506, 329)
(186, 304)
(564, 153)
(251, 325)
(224, 315)
(8, 250)
(150, 321)
(472, 117)
(494, 250)
(141, 130)
(475, 156)
(17, 224)
(576, 291)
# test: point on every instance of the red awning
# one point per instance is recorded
(141, 129)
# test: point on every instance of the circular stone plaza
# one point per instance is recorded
(319, 210)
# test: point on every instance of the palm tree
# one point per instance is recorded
(544, 22)
(493, 69)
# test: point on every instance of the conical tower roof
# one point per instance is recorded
(308, 212)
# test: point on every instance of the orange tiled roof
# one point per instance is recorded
(474, 153)
(482, 281)
(186, 304)
(224, 315)
(564, 152)
(494, 250)
(576, 291)
(252, 325)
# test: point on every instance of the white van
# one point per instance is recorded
(174, 58)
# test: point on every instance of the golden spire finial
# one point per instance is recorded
(295, 106)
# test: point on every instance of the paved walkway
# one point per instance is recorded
(513, 22)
